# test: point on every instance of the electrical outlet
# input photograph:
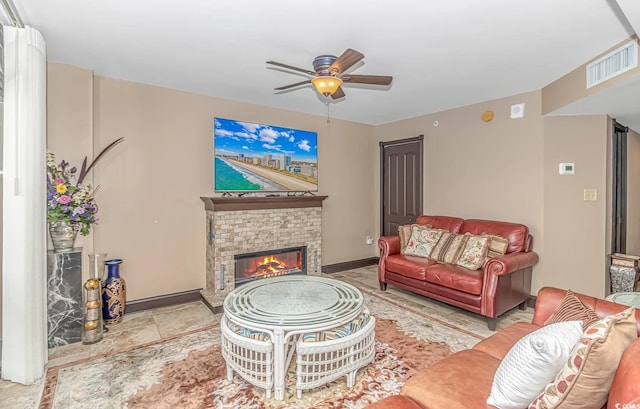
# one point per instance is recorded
(369, 240)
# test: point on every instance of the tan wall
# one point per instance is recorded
(150, 213)
(633, 193)
(573, 86)
(474, 169)
(507, 169)
(575, 246)
(69, 124)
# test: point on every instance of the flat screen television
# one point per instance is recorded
(252, 157)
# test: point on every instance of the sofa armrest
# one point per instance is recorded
(507, 282)
(388, 245)
(510, 262)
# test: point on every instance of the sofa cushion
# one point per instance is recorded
(517, 234)
(531, 362)
(572, 309)
(450, 383)
(422, 241)
(449, 247)
(585, 379)
(498, 344)
(474, 253)
(395, 402)
(409, 266)
(455, 277)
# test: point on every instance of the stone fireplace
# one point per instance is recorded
(259, 226)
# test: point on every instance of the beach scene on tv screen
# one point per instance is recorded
(255, 157)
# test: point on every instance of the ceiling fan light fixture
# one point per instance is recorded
(326, 85)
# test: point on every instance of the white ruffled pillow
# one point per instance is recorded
(531, 363)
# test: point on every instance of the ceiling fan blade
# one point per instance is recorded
(368, 79)
(338, 94)
(293, 85)
(345, 61)
(290, 67)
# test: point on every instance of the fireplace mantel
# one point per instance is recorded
(221, 204)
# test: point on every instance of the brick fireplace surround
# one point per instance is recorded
(237, 225)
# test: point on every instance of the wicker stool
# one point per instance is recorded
(249, 353)
(325, 356)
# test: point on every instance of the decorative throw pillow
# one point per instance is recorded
(531, 362)
(585, 379)
(404, 232)
(572, 309)
(498, 246)
(474, 252)
(422, 240)
(448, 248)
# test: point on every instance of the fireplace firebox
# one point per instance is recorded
(271, 263)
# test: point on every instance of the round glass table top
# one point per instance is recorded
(294, 301)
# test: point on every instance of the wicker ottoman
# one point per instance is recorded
(323, 357)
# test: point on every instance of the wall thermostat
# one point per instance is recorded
(517, 111)
(567, 168)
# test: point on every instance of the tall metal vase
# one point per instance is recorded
(114, 293)
(63, 235)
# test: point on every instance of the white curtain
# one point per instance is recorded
(24, 275)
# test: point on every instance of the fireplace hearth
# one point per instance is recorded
(271, 263)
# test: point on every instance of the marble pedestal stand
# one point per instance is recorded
(64, 297)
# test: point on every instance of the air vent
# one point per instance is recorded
(613, 64)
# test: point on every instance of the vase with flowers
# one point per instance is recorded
(71, 205)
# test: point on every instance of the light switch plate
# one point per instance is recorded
(590, 195)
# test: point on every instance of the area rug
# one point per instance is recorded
(187, 371)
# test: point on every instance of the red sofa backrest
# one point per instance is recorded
(452, 224)
(549, 298)
(517, 234)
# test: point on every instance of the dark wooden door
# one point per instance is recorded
(401, 183)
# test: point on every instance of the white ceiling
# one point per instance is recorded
(441, 53)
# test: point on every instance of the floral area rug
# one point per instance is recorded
(188, 371)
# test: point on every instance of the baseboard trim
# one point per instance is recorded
(163, 301)
(349, 265)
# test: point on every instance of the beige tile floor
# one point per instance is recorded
(152, 325)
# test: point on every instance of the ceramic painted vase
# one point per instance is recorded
(114, 293)
(63, 235)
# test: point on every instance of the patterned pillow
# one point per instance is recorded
(340, 332)
(531, 362)
(404, 232)
(498, 246)
(586, 378)
(572, 309)
(474, 252)
(247, 332)
(448, 248)
(422, 241)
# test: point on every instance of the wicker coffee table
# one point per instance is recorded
(274, 312)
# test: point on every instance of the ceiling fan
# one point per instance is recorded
(329, 74)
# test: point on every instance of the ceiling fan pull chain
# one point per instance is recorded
(327, 104)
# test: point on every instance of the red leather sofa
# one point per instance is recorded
(503, 283)
(449, 384)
